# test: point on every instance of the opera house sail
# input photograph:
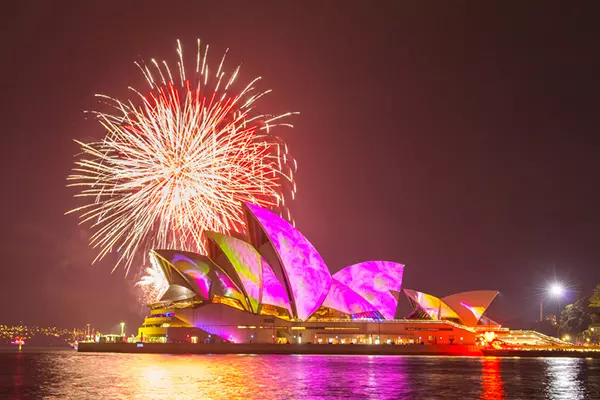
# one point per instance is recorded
(466, 308)
(272, 285)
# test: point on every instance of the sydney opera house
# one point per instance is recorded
(274, 287)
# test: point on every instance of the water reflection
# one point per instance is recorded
(70, 375)
(564, 381)
(492, 387)
(17, 377)
(188, 377)
(320, 377)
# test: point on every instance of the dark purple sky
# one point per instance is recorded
(460, 141)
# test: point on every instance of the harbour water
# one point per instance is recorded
(66, 374)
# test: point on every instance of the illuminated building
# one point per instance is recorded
(273, 286)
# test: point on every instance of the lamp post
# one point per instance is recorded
(556, 291)
(122, 328)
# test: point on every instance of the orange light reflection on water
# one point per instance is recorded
(89, 376)
(492, 387)
(193, 377)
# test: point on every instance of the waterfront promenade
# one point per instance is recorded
(268, 348)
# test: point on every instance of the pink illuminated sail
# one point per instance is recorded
(186, 269)
(375, 281)
(305, 271)
(344, 299)
(273, 291)
(197, 273)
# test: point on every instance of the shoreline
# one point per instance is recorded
(322, 349)
(533, 353)
(287, 349)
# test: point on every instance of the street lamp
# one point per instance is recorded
(122, 328)
(555, 290)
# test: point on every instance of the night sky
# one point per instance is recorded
(460, 141)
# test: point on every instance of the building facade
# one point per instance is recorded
(272, 286)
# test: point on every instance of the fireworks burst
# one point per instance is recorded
(178, 161)
(153, 284)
